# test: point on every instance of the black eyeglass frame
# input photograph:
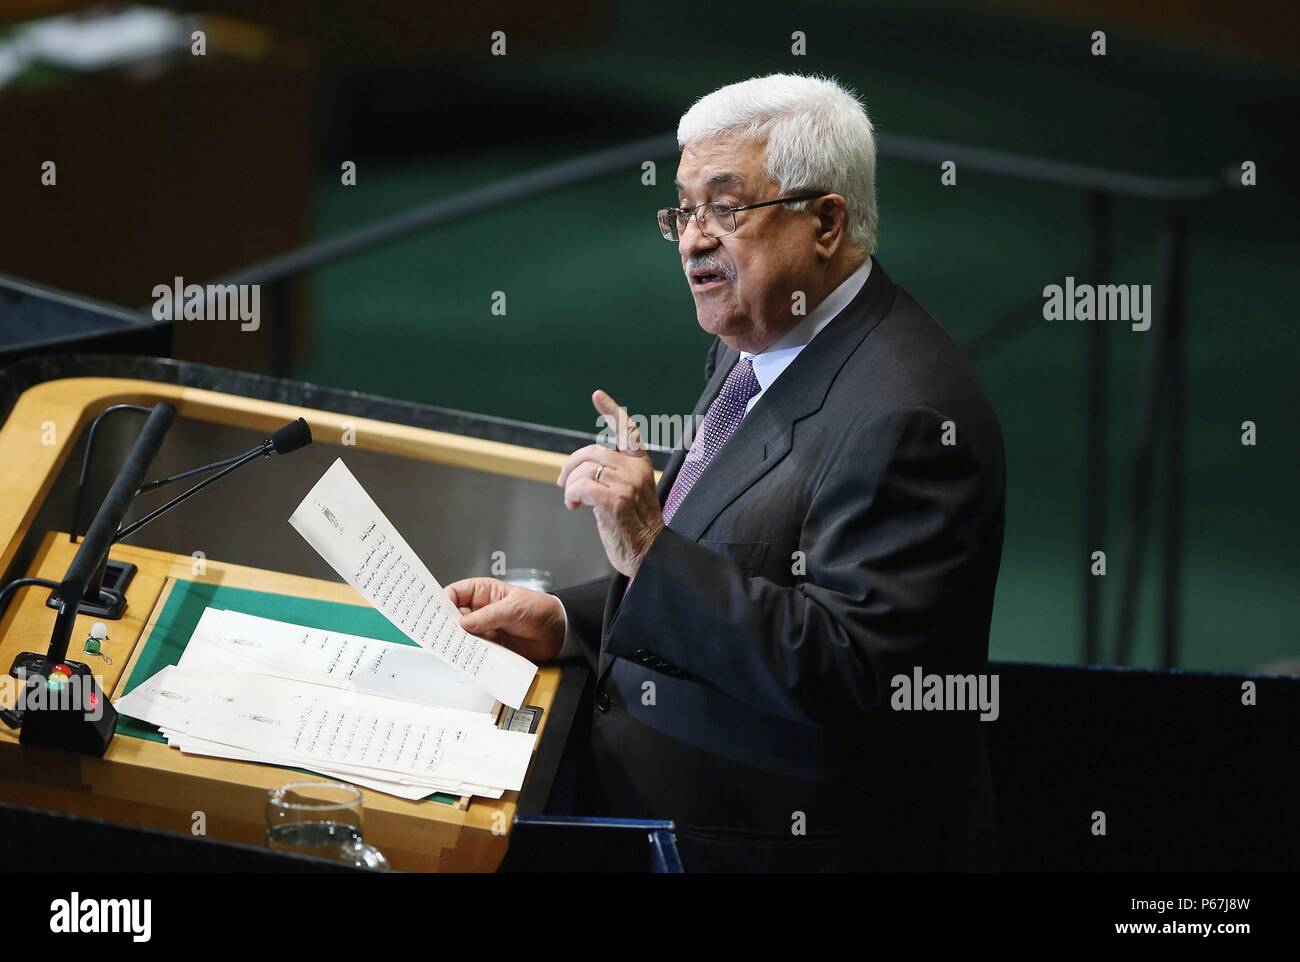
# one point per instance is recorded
(722, 209)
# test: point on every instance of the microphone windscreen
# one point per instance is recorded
(291, 437)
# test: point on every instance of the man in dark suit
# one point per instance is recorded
(833, 532)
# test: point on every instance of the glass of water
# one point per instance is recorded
(539, 579)
(322, 819)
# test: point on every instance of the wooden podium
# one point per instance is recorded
(145, 783)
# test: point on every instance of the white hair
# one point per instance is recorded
(817, 134)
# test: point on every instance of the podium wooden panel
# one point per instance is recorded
(145, 783)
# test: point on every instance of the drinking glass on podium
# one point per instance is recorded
(538, 579)
(321, 819)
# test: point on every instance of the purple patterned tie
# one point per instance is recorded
(723, 416)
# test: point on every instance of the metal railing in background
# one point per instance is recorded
(1161, 413)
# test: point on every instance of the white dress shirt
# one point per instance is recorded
(771, 363)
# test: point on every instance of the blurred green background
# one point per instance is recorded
(595, 298)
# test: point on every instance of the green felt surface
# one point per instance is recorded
(185, 606)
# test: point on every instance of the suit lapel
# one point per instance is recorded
(765, 435)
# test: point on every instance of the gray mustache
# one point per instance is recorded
(709, 262)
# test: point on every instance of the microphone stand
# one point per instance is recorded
(111, 603)
(264, 451)
(51, 678)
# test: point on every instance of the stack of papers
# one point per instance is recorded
(399, 719)
(402, 748)
(233, 641)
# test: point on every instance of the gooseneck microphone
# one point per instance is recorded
(111, 603)
(291, 437)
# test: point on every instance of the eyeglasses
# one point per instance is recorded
(714, 220)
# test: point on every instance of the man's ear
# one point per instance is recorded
(832, 224)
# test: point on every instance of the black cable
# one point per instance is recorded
(17, 583)
(85, 463)
(12, 717)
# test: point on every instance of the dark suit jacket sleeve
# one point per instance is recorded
(584, 607)
(891, 536)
